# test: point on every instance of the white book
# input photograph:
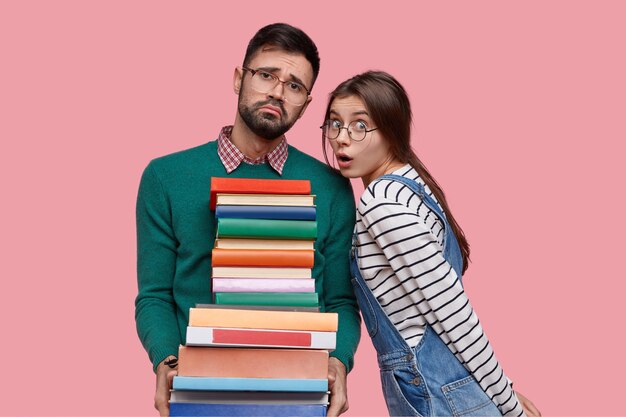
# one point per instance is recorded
(238, 337)
(260, 272)
(276, 244)
(248, 397)
(266, 199)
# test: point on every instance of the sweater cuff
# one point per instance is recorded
(346, 359)
(159, 355)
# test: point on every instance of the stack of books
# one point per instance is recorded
(254, 362)
(263, 253)
(262, 348)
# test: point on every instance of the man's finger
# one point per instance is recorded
(170, 378)
(334, 408)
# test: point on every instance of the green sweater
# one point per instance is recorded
(176, 233)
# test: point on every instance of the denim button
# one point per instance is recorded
(416, 381)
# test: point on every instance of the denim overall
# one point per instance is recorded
(427, 380)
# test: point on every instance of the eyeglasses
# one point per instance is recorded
(264, 82)
(357, 130)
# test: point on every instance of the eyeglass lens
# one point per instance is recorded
(356, 130)
(293, 92)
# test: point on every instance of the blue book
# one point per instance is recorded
(241, 410)
(266, 212)
(192, 383)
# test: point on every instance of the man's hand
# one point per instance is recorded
(528, 406)
(337, 383)
(164, 377)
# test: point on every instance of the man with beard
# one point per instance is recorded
(176, 230)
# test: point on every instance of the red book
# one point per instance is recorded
(213, 336)
(256, 186)
(262, 337)
(262, 257)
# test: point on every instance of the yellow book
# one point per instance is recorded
(261, 319)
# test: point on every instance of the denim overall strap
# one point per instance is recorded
(451, 249)
(391, 347)
(428, 380)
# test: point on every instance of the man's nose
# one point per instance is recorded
(278, 91)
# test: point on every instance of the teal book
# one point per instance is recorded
(298, 299)
(195, 383)
(266, 229)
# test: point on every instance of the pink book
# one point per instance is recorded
(263, 285)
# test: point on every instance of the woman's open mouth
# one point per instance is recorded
(343, 160)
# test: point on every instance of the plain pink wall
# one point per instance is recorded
(519, 112)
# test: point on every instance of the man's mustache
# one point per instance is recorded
(273, 102)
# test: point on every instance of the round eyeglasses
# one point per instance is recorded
(357, 130)
(264, 82)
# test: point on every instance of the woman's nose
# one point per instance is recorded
(344, 137)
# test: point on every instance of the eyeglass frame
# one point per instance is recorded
(348, 130)
(278, 80)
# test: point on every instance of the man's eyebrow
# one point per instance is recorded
(275, 69)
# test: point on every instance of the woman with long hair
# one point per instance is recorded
(408, 257)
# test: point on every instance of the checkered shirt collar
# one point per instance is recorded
(232, 157)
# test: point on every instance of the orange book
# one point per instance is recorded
(263, 319)
(256, 186)
(265, 257)
(252, 363)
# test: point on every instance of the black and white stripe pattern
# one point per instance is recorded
(400, 244)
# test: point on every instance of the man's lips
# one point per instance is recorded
(271, 109)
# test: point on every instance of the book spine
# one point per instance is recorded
(250, 384)
(257, 186)
(245, 410)
(273, 244)
(266, 308)
(252, 362)
(248, 397)
(260, 272)
(262, 285)
(263, 257)
(208, 336)
(263, 319)
(265, 212)
(276, 229)
(264, 244)
(302, 299)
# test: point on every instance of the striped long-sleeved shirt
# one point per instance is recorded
(400, 244)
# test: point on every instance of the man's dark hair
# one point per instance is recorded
(286, 37)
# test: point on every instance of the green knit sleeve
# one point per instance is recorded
(338, 292)
(155, 313)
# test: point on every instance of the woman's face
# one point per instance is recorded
(367, 159)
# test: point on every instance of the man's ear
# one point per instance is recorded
(305, 105)
(237, 78)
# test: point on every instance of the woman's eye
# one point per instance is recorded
(360, 125)
(335, 124)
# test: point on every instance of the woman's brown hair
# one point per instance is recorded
(388, 105)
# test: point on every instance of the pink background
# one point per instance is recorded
(519, 113)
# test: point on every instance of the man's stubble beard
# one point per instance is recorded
(265, 125)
